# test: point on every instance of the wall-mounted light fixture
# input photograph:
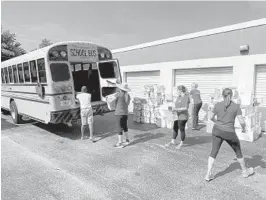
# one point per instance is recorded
(244, 49)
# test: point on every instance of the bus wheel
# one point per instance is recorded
(5, 112)
(14, 113)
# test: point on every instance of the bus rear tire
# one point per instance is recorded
(5, 112)
(14, 113)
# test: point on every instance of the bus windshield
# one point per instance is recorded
(60, 72)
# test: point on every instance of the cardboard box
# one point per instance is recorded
(209, 126)
(250, 135)
(110, 99)
(169, 124)
(146, 120)
(153, 120)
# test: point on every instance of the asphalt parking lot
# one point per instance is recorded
(47, 162)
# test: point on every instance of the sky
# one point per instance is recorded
(119, 24)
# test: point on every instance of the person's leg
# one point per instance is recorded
(91, 128)
(84, 122)
(120, 132)
(235, 144)
(175, 133)
(198, 107)
(83, 129)
(90, 122)
(182, 127)
(216, 145)
(194, 116)
(125, 128)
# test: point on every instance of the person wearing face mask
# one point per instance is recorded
(181, 108)
(226, 111)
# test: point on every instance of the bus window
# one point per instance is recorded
(33, 71)
(26, 71)
(72, 67)
(10, 74)
(6, 75)
(86, 66)
(60, 72)
(78, 67)
(20, 74)
(2, 76)
(15, 73)
(108, 70)
(41, 70)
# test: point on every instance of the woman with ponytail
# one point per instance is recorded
(121, 113)
(226, 112)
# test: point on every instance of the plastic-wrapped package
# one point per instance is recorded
(111, 101)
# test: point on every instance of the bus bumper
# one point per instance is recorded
(72, 115)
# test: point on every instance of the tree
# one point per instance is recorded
(45, 42)
(10, 48)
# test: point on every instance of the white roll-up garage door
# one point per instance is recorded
(137, 80)
(208, 79)
(260, 91)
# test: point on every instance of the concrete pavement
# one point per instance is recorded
(42, 162)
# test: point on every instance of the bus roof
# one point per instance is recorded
(40, 53)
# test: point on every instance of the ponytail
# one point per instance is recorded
(227, 95)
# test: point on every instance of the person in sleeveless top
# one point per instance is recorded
(224, 130)
(86, 112)
(121, 112)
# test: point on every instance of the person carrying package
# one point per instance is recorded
(121, 112)
(226, 112)
(181, 107)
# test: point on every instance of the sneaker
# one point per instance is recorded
(126, 142)
(92, 140)
(209, 177)
(118, 145)
(179, 146)
(170, 144)
(246, 173)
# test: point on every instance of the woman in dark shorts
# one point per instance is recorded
(181, 107)
(226, 112)
(121, 113)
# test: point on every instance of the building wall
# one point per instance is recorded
(214, 46)
(218, 47)
(243, 71)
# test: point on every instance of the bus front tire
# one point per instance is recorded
(14, 113)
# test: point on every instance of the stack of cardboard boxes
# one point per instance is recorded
(146, 110)
(138, 110)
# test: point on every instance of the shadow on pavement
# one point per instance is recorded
(61, 130)
(255, 161)
(190, 141)
(104, 127)
(5, 125)
(141, 138)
